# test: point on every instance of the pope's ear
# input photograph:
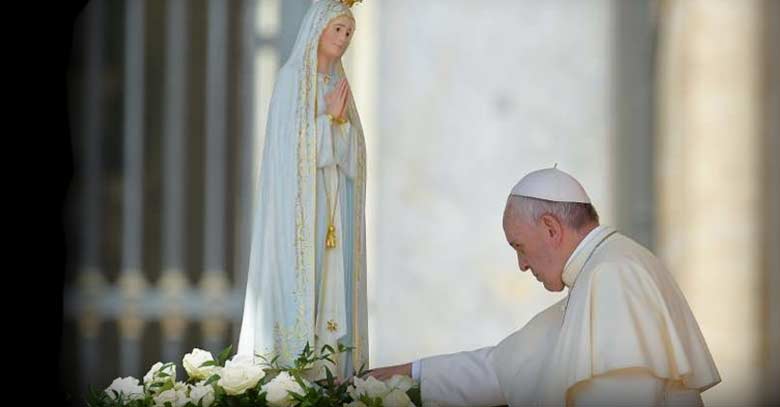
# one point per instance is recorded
(552, 227)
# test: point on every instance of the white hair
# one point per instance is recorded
(573, 214)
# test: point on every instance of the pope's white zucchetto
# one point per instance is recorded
(551, 184)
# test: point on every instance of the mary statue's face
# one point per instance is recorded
(336, 37)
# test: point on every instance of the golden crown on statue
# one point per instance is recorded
(350, 3)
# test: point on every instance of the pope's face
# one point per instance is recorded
(336, 37)
(534, 248)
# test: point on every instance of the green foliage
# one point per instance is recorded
(328, 391)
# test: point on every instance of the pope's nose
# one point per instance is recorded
(524, 266)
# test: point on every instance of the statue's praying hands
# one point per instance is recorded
(336, 100)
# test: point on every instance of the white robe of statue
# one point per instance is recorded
(298, 291)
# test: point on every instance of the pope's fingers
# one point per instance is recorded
(382, 374)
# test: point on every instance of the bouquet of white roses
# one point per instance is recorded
(254, 382)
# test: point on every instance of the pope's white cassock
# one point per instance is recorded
(624, 334)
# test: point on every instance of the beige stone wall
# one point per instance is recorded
(710, 184)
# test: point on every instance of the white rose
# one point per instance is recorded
(356, 403)
(129, 386)
(157, 375)
(202, 393)
(237, 378)
(352, 391)
(397, 398)
(370, 387)
(400, 382)
(277, 390)
(182, 389)
(168, 396)
(193, 361)
(177, 396)
(241, 360)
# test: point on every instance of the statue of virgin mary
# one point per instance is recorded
(306, 281)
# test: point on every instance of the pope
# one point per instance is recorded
(624, 334)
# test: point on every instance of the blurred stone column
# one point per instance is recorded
(132, 282)
(91, 146)
(89, 347)
(632, 65)
(246, 157)
(214, 280)
(214, 328)
(709, 179)
(91, 283)
(270, 18)
(173, 283)
(131, 327)
(772, 201)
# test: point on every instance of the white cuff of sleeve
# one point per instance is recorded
(416, 370)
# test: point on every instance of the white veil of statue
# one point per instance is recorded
(313, 175)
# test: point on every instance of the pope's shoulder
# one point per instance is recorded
(622, 258)
(620, 250)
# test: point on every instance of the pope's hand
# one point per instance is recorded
(385, 373)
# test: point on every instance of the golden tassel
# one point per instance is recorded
(330, 238)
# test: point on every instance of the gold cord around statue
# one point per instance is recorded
(330, 237)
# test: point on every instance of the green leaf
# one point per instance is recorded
(414, 395)
(167, 386)
(296, 396)
(225, 354)
(209, 363)
(212, 379)
(299, 380)
(362, 371)
(329, 377)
